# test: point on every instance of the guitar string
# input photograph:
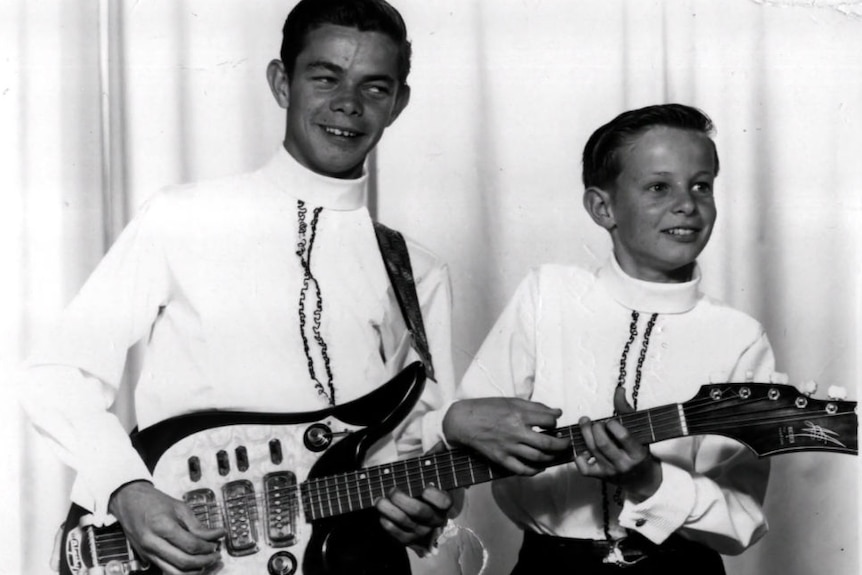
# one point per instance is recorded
(657, 425)
(318, 498)
(318, 486)
(316, 492)
(364, 484)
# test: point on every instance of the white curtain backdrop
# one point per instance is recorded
(102, 103)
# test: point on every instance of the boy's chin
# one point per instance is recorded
(681, 274)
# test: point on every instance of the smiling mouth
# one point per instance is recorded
(341, 132)
(681, 232)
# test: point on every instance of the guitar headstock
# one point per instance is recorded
(774, 418)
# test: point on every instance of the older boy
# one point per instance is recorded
(638, 329)
(219, 280)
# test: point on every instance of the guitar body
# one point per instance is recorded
(245, 472)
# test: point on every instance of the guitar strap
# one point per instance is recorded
(393, 248)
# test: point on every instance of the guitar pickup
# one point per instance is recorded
(241, 518)
(281, 508)
(203, 504)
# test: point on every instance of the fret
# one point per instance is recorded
(347, 480)
(651, 428)
(672, 422)
(337, 495)
(380, 480)
(436, 468)
(403, 482)
(320, 501)
(426, 464)
(389, 475)
(364, 478)
(453, 482)
(572, 441)
(326, 494)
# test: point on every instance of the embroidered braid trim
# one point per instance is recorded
(303, 251)
(621, 382)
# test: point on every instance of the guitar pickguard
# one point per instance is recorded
(245, 478)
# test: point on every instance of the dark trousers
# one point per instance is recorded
(562, 556)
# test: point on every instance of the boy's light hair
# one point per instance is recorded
(364, 15)
(601, 160)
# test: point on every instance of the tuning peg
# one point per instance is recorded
(809, 387)
(778, 377)
(836, 392)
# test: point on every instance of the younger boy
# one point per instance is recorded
(637, 333)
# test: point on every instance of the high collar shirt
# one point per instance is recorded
(227, 283)
(560, 342)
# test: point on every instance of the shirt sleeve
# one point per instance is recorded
(420, 431)
(720, 502)
(70, 410)
(505, 364)
(72, 375)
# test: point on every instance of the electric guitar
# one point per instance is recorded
(293, 499)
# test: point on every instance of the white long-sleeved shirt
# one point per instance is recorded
(560, 341)
(208, 277)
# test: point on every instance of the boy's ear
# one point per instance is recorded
(598, 204)
(276, 77)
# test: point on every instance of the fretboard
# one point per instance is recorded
(344, 493)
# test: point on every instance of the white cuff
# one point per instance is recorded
(660, 515)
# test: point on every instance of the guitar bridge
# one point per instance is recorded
(95, 550)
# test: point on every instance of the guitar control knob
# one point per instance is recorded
(282, 563)
(836, 392)
(317, 437)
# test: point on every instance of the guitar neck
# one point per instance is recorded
(337, 494)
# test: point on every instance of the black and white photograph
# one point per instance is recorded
(449, 287)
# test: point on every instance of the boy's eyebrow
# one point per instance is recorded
(666, 173)
(336, 69)
(323, 64)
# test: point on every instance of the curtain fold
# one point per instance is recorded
(102, 103)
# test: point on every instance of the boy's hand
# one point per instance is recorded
(501, 429)
(614, 455)
(413, 521)
(164, 530)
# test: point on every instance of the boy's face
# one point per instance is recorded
(661, 208)
(343, 94)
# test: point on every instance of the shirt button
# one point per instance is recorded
(640, 522)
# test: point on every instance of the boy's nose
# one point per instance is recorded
(684, 201)
(348, 102)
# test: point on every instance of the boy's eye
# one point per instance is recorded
(324, 80)
(378, 89)
(658, 187)
(703, 188)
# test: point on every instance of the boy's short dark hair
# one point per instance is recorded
(364, 15)
(601, 160)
